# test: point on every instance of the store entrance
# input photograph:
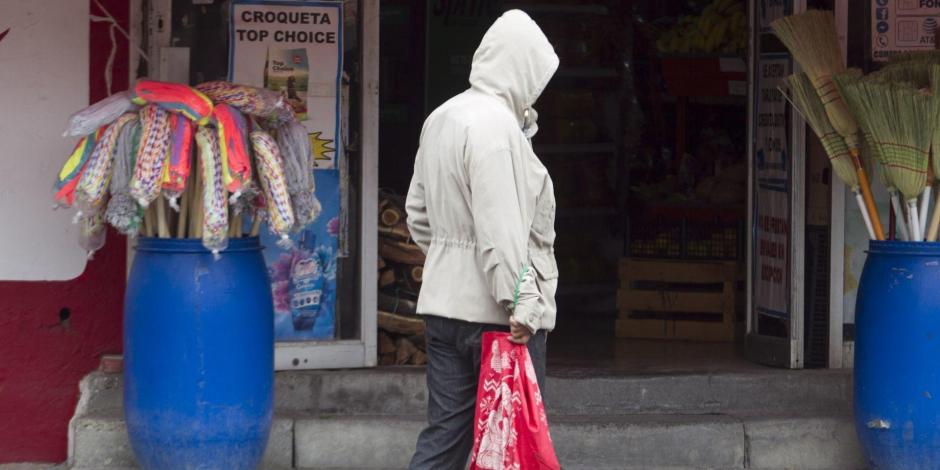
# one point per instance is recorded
(644, 131)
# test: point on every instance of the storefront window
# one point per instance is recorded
(315, 284)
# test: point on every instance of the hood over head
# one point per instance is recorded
(514, 62)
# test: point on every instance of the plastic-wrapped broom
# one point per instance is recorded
(811, 38)
(808, 104)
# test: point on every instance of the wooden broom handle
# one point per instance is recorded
(865, 187)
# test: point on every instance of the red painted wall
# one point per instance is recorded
(42, 356)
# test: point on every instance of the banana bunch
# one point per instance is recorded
(721, 28)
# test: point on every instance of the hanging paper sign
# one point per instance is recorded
(771, 10)
(295, 48)
(771, 190)
(903, 25)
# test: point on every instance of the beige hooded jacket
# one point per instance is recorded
(481, 204)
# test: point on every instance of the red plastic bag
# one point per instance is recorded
(511, 429)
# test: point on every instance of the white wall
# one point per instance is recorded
(43, 79)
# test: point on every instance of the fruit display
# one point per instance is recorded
(720, 29)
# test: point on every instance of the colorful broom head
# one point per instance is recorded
(151, 155)
(214, 200)
(93, 185)
(260, 102)
(233, 143)
(812, 39)
(71, 172)
(273, 184)
(178, 163)
(174, 97)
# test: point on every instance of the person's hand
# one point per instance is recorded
(519, 333)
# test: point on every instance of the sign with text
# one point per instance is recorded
(903, 25)
(772, 162)
(771, 10)
(295, 48)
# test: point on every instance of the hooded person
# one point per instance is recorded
(482, 207)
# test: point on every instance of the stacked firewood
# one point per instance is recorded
(401, 266)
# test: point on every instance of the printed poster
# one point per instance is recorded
(903, 25)
(295, 48)
(771, 10)
(771, 189)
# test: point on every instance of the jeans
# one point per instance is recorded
(454, 351)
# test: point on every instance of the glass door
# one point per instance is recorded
(327, 68)
(776, 199)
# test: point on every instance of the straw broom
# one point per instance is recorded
(914, 68)
(854, 99)
(901, 119)
(935, 148)
(805, 100)
(811, 38)
(925, 200)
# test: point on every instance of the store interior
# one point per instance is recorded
(643, 130)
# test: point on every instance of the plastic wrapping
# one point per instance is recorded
(265, 104)
(151, 154)
(294, 143)
(510, 426)
(273, 185)
(214, 200)
(100, 114)
(123, 212)
(179, 160)
(233, 145)
(92, 232)
(93, 185)
(71, 172)
(174, 97)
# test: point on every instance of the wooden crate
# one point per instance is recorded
(677, 299)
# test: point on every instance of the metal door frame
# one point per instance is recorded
(776, 351)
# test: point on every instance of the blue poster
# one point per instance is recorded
(295, 48)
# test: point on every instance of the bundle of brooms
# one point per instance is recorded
(171, 161)
(893, 114)
(811, 38)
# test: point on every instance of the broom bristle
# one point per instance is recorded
(808, 104)
(935, 138)
(900, 119)
(927, 56)
(916, 72)
(812, 39)
(870, 157)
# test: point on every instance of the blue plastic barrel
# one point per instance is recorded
(198, 355)
(897, 356)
